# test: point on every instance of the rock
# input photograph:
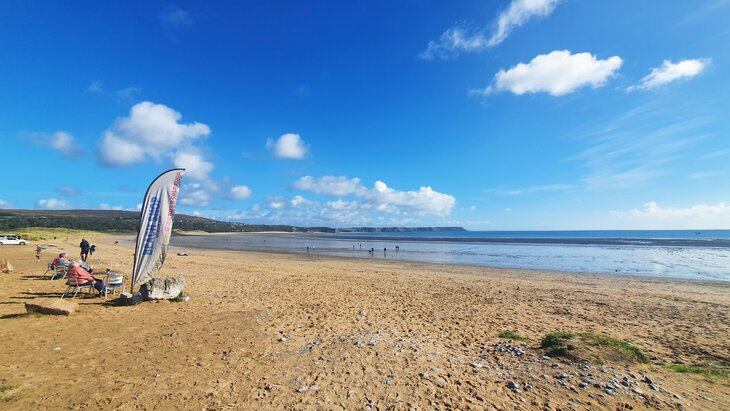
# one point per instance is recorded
(583, 384)
(129, 299)
(268, 387)
(512, 385)
(166, 288)
(648, 380)
(637, 391)
(302, 389)
(478, 365)
(53, 306)
(56, 349)
(280, 337)
(561, 376)
(313, 388)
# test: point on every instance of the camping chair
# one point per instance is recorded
(73, 285)
(112, 282)
(60, 272)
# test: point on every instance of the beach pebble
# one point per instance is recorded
(268, 387)
(174, 333)
(373, 343)
(478, 365)
(280, 338)
(512, 385)
(648, 380)
(302, 389)
(561, 376)
(583, 384)
(313, 388)
(57, 349)
(637, 390)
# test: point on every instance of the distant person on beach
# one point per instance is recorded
(85, 246)
(82, 276)
(92, 249)
(38, 250)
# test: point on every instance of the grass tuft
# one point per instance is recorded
(511, 335)
(555, 339)
(698, 369)
(621, 346)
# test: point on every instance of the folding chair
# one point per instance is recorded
(112, 282)
(60, 272)
(73, 285)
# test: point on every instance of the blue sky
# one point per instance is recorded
(511, 114)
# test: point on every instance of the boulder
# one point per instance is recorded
(53, 306)
(6, 267)
(167, 288)
(129, 299)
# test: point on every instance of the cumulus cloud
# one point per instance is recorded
(290, 145)
(460, 39)
(670, 72)
(59, 141)
(557, 73)
(53, 204)
(151, 131)
(5, 204)
(518, 13)
(329, 185)
(191, 159)
(698, 216)
(196, 194)
(381, 197)
(453, 42)
(240, 192)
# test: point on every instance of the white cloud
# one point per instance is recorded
(5, 204)
(277, 205)
(196, 194)
(557, 73)
(151, 131)
(698, 216)
(669, 72)
(53, 204)
(59, 141)
(518, 13)
(527, 190)
(240, 192)
(138, 206)
(128, 95)
(459, 39)
(196, 167)
(289, 145)
(453, 42)
(68, 191)
(381, 197)
(299, 201)
(329, 185)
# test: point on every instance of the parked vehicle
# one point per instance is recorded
(11, 239)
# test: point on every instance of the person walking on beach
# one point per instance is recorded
(92, 250)
(85, 246)
(38, 250)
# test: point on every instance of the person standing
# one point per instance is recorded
(85, 246)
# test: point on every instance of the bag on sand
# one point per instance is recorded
(130, 298)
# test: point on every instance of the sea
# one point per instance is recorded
(685, 254)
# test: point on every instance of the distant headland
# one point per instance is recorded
(127, 221)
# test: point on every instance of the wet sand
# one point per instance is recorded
(277, 331)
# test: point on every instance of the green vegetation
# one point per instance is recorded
(511, 335)
(622, 346)
(556, 342)
(178, 299)
(555, 339)
(699, 369)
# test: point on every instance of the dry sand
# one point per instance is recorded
(272, 331)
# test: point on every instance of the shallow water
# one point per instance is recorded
(707, 259)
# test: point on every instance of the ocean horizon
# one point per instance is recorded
(687, 254)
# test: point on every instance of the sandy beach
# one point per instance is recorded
(278, 331)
